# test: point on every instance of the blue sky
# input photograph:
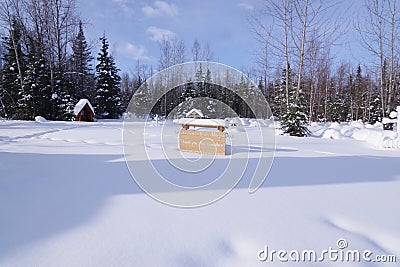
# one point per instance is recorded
(135, 27)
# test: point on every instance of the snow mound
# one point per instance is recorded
(240, 121)
(40, 119)
(202, 122)
(370, 136)
(234, 122)
(244, 121)
(236, 130)
(393, 114)
(268, 123)
(335, 125)
(357, 124)
(253, 123)
(332, 134)
(347, 130)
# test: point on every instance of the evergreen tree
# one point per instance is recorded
(357, 94)
(141, 100)
(37, 82)
(108, 97)
(44, 90)
(64, 97)
(247, 93)
(186, 103)
(199, 84)
(375, 109)
(337, 108)
(279, 103)
(188, 91)
(211, 94)
(13, 69)
(64, 103)
(29, 95)
(294, 119)
(127, 89)
(209, 86)
(82, 86)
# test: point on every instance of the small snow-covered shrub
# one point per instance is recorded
(40, 119)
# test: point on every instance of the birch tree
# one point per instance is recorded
(378, 33)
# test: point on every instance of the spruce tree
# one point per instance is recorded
(13, 69)
(37, 82)
(29, 95)
(141, 101)
(127, 89)
(62, 101)
(199, 84)
(357, 94)
(375, 109)
(108, 103)
(187, 95)
(81, 82)
(65, 105)
(337, 108)
(211, 94)
(44, 80)
(294, 118)
(279, 101)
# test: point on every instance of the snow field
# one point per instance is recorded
(67, 199)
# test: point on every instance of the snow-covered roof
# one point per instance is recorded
(202, 122)
(393, 115)
(388, 120)
(194, 110)
(78, 107)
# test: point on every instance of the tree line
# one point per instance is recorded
(298, 71)
(45, 50)
(47, 64)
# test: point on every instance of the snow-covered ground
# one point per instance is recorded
(68, 199)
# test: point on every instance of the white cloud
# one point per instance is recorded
(124, 5)
(160, 8)
(158, 34)
(246, 6)
(135, 52)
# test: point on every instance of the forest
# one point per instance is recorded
(47, 64)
